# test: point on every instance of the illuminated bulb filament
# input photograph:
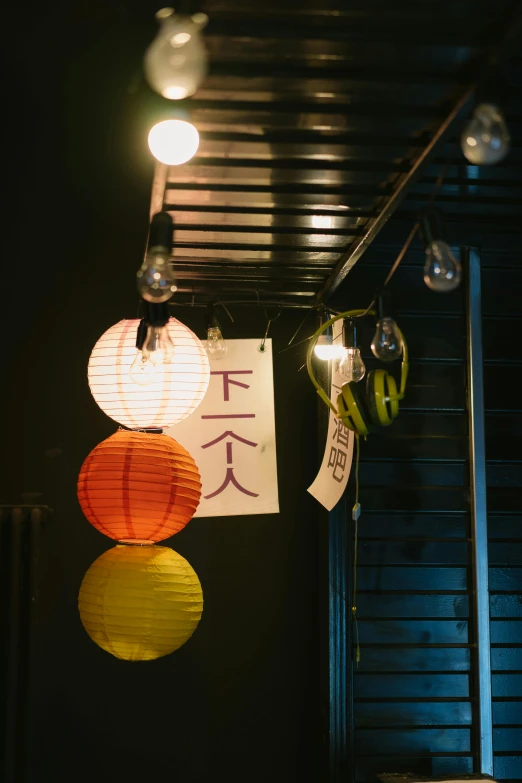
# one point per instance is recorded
(351, 366)
(142, 371)
(176, 61)
(215, 346)
(173, 142)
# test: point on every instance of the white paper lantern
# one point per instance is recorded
(175, 391)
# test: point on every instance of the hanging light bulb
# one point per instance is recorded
(142, 370)
(326, 349)
(486, 139)
(442, 271)
(154, 345)
(176, 61)
(215, 345)
(351, 366)
(387, 342)
(158, 347)
(155, 277)
(173, 141)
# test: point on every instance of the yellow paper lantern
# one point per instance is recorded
(174, 391)
(140, 602)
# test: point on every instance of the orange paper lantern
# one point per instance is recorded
(139, 487)
(175, 391)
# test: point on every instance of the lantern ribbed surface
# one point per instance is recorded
(138, 486)
(175, 392)
(140, 602)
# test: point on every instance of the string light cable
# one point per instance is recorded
(356, 513)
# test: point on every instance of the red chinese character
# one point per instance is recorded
(229, 477)
(227, 382)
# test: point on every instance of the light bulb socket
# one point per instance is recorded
(383, 304)
(156, 313)
(432, 226)
(160, 232)
(141, 335)
(211, 319)
(494, 87)
(349, 334)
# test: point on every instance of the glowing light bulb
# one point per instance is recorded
(155, 277)
(325, 349)
(173, 141)
(158, 347)
(486, 138)
(442, 271)
(142, 371)
(176, 61)
(215, 346)
(387, 342)
(351, 367)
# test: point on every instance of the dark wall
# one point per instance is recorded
(245, 688)
(242, 697)
(415, 706)
(501, 306)
(413, 688)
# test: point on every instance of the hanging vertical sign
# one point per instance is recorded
(231, 435)
(332, 478)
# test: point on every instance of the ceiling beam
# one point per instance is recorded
(375, 224)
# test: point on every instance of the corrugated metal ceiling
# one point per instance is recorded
(310, 117)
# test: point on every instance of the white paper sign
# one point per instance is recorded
(231, 435)
(332, 478)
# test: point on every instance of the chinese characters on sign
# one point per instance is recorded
(232, 434)
(332, 478)
(339, 451)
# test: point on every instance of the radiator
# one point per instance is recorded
(20, 530)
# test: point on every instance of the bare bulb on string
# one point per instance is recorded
(142, 371)
(176, 61)
(173, 142)
(351, 366)
(387, 344)
(325, 348)
(387, 341)
(215, 346)
(158, 347)
(442, 271)
(154, 346)
(155, 277)
(486, 139)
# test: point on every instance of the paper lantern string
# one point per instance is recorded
(147, 430)
(270, 321)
